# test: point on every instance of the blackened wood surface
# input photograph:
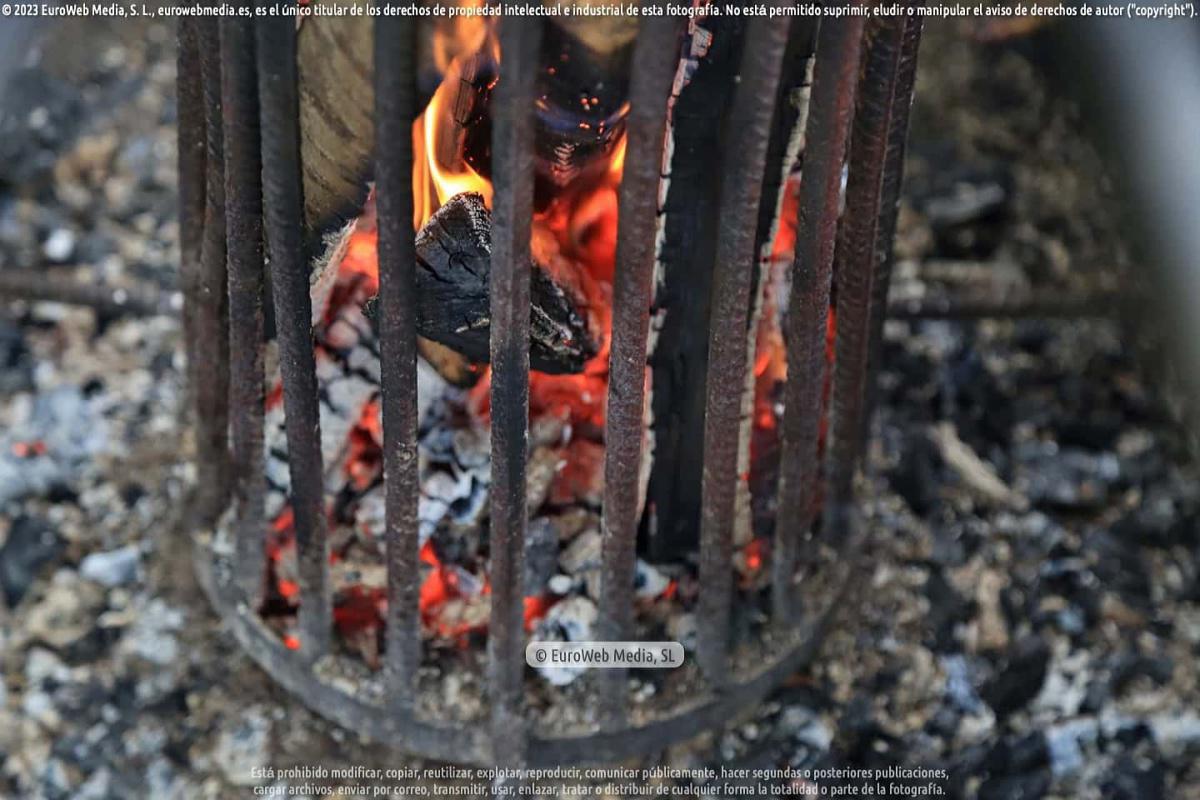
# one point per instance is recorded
(678, 361)
(454, 266)
(680, 353)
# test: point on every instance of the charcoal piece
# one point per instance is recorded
(38, 119)
(31, 543)
(1016, 787)
(453, 270)
(915, 478)
(1158, 521)
(1020, 680)
(1015, 755)
(16, 362)
(1129, 780)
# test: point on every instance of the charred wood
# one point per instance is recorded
(685, 261)
(453, 271)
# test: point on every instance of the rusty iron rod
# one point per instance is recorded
(211, 392)
(512, 173)
(655, 58)
(284, 205)
(893, 174)
(395, 110)
(832, 106)
(243, 225)
(858, 251)
(741, 188)
(191, 153)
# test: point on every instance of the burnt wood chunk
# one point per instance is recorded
(686, 255)
(454, 253)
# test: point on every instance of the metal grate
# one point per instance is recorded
(239, 119)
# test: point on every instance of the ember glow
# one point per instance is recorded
(574, 234)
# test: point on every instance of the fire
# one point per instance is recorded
(441, 168)
(574, 232)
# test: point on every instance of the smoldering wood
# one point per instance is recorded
(453, 298)
(337, 101)
(679, 356)
(686, 256)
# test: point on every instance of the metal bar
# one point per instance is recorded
(243, 224)
(512, 172)
(111, 301)
(655, 58)
(191, 147)
(832, 106)
(858, 250)
(395, 110)
(893, 173)
(741, 187)
(211, 349)
(284, 204)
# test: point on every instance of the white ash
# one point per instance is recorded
(571, 620)
(649, 582)
(582, 554)
(113, 568)
(684, 629)
(152, 637)
(243, 745)
(61, 430)
(60, 245)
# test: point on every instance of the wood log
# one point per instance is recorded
(453, 275)
(679, 354)
(585, 85)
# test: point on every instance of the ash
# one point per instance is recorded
(1027, 619)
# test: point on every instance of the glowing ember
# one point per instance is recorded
(574, 234)
(29, 449)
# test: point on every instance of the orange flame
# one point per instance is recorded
(574, 236)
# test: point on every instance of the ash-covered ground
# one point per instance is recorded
(1027, 618)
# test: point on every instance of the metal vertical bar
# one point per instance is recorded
(832, 106)
(191, 151)
(512, 172)
(861, 245)
(655, 57)
(243, 224)
(284, 204)
(893, 174)
(741, 187)
(395, 110)
(211, 392)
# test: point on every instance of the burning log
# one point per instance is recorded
(584, 81)
(454, 267)
(698, 134)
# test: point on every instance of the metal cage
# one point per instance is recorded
(238, 120)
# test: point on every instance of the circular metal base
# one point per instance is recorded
(470, 744)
